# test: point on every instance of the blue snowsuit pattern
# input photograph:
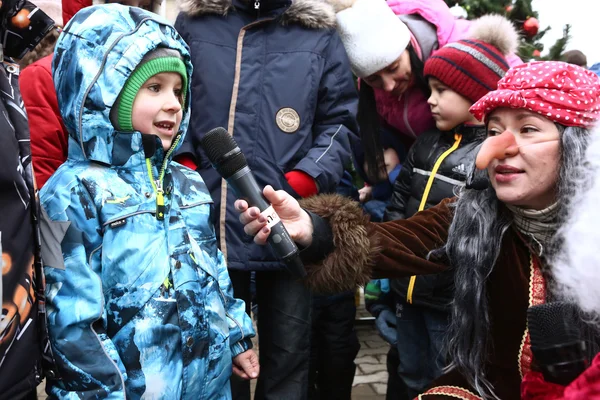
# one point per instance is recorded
(142, 306)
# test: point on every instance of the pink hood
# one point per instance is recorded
(410, 114)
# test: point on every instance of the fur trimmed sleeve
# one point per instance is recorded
(349, 264)
(392, 249)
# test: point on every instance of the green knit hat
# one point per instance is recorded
(154, 62)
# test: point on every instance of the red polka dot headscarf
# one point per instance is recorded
(564, 93)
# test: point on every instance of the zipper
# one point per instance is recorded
(434, 170)
(257, 8)
(157, 184)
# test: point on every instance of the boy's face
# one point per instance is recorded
(157, 107)
(449, 109)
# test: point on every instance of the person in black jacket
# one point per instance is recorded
(23, 334)
(437, 164)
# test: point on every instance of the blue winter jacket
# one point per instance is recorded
(142, 306)
(276, 75)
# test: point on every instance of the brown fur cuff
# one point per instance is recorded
(349, 264)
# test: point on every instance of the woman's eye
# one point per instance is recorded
(393, 67)
(529, 129)
(154, 88)
(493, 132)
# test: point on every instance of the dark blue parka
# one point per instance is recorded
(276, 77)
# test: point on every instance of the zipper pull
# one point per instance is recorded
(257, 8)
(160, 201)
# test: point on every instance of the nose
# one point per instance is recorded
(388, 84)
(431, 100)
(500, 147)
(172, 103)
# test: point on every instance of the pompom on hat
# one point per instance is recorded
(373, 36)
(472, 67)
(564, 93)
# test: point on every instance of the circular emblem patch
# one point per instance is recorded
(288, 120)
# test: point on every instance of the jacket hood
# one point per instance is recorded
(99, 49)
(312, 14)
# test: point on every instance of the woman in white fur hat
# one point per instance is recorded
(387, 44)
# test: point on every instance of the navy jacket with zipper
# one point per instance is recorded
(434, 291)
(249, 64)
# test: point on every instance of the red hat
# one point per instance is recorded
(471, 68)
(563, 93)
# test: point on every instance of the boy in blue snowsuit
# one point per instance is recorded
(139, 299)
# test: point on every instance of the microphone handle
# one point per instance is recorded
(246, 187)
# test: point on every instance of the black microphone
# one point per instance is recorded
(556, 341)
(229, 161)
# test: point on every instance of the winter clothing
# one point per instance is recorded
(432, 291)
(432, 26)
(49, 144)
(400, 248)
(302, 183)
(423, 302)
(563, 93)
(23, 333)
(299, 116)
(49, 136)
(471, 68)
(365, 27)
(281, 71)
(155, 62)
(152, 321)
(334, 347)
(586, 386)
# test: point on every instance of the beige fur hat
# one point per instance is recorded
(372, 34)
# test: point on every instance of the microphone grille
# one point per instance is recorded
(223, 152)
(553, 323)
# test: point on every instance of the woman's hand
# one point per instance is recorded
(245, 365)
(365, 194)
(294, 218)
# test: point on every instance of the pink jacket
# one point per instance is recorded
(410, 114)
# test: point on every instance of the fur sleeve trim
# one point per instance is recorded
(350, 263)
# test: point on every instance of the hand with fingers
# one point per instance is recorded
(245, 365)
(294, 218)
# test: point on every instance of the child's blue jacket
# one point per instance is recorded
(139, 306)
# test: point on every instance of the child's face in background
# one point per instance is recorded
(448, 108)
(157, 107)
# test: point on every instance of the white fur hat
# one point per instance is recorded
(372, 34)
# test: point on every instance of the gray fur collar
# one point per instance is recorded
(313, 14)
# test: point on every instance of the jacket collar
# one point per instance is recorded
(312, 14)
(471, 132)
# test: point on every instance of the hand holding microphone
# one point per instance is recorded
(229, 161)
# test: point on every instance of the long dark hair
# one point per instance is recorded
(474, 243)
(369, 120)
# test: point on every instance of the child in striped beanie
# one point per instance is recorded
(437, 164)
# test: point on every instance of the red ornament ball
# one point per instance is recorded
(509, 8)
(531, 26)
(536, 53)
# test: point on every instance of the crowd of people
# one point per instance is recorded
(403, 149)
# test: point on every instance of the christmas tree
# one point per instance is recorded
(521, 13)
